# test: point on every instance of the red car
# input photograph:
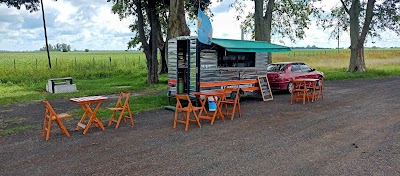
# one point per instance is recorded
(281, 74)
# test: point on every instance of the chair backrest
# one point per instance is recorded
(182, 97)
(49, 108)
(123, 97)
(298, 85)
(235, 91)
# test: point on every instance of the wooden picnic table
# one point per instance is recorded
(204, 114)
(86, 103)
(311, 84)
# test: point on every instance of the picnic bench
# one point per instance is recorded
(60, 85)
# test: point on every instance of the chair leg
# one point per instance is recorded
(233, 111)
(187, 117)
(112, 118)
(44, 125)
(119, 119)
(48, 129)
(176, 117)
(240, 112)
(130, 116)
(197, 119)
(63, 129)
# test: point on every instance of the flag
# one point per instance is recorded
(204, 31)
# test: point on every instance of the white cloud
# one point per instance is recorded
(91, 24)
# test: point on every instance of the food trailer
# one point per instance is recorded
(194, 66)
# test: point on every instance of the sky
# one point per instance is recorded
(90, 24)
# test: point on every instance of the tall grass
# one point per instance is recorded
(32, 67)
(23, 75)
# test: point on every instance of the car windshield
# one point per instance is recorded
(276, 67)
(305, 68)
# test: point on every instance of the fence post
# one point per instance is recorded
(110, 61)
(93, 61)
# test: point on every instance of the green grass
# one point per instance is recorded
(17, 129)
(93, 74)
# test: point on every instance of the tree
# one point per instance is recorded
(362, 18)
(158, 26)
(286, 18)
(31, 5)
(147, 14)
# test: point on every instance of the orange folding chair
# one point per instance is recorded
(233, 101)
(124, 109)
(319, 88)
(51, 115)
(299, 91)
(186, 111)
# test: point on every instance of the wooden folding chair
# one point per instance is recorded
(186, 111)
(124, 109)
(299, 91)
(51, 115)
(235, 102)
(319, 88)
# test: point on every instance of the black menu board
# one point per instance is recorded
(265, 88)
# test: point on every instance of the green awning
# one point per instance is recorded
(249, 46)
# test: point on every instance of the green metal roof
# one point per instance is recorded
(249, 46)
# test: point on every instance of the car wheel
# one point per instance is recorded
(289, 87)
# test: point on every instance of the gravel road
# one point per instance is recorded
(354, 130)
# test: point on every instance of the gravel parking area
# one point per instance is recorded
(354, 130)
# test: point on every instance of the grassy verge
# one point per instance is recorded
(17, 129)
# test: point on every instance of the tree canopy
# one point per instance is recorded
(362, 18)
(31, 5)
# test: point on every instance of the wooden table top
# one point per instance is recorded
(307, 79)
(209, 93)
(88, 99)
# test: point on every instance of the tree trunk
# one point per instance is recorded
(164, 66)
(161, 47)
(150, 49)
(268, 25)
(259, 27)
(176, 20)
(152, 74)
(357, 63)
(176, 27)
(263, 24)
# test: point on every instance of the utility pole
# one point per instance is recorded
(45, 34)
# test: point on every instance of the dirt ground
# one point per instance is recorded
(354, 130)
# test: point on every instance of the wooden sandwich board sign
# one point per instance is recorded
(265, 88)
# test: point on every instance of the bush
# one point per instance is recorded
(86, 50)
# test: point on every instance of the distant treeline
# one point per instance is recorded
(58, 47)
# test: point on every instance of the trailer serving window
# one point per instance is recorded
(234, 59)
